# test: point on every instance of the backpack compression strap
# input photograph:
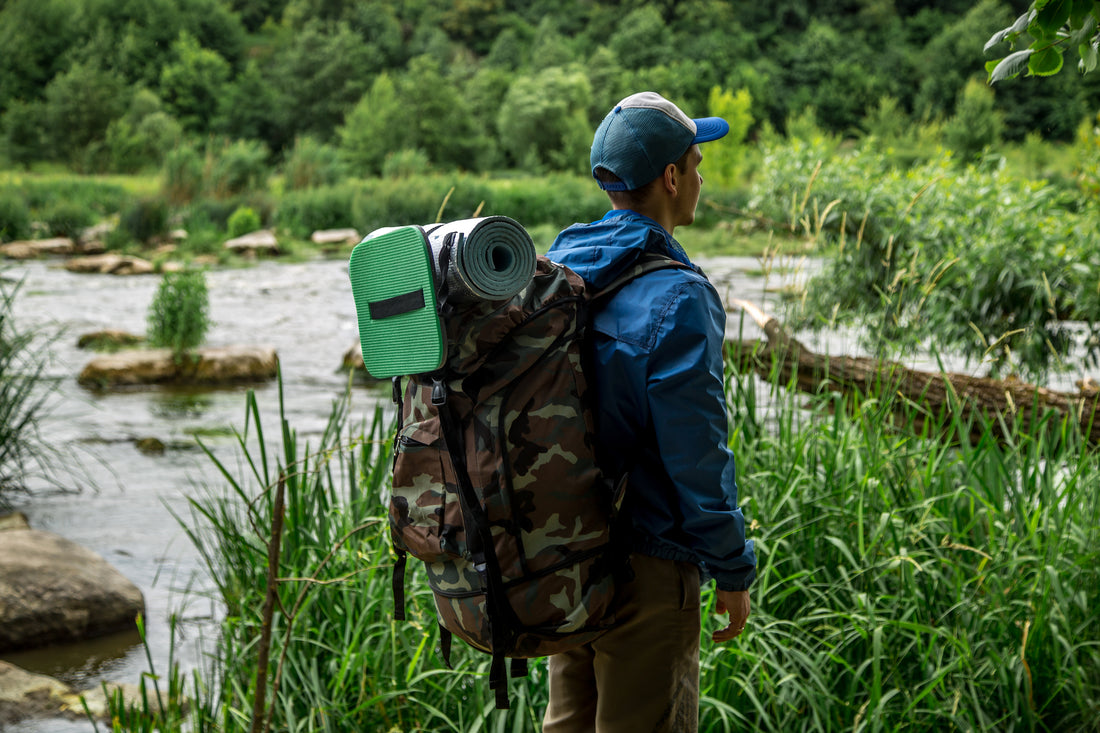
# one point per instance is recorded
(480, 546)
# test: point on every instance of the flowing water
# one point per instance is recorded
(121, 502)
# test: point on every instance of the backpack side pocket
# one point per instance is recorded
(425, 516)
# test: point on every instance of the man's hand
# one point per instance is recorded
(736, 602)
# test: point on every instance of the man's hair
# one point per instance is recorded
(637, 197)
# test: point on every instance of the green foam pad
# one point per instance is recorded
(399, 328)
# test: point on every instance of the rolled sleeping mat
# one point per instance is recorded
(488, 258)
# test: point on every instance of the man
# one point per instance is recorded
(657, 368)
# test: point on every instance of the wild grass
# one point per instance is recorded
(911, 578)
(25, 398)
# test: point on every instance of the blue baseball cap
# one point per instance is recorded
(643, 134)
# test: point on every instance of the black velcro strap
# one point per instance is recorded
(397, 305)
(519, 667)
(445, 645)
(498, 680)
(399, 586)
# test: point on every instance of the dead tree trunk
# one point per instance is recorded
(1017, 403)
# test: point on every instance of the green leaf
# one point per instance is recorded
(1010, 66)
(1054, 15)
(1046, 62)
(1081, 9)
(1083, 32)
(1089, 56)
(997, 38)
(1012, 32)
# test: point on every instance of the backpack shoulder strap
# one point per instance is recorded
(648, 262)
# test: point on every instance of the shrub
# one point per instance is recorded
(327, 207)
(987, 265)
(406, 163)
(178, 314)
(145, 219)
(242, 221)
(311, 164)
(15, 216)
(183, 174)
(67, 218)
(239, 167)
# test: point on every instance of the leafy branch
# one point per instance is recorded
(1053, 28)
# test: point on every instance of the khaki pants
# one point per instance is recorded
(643, 675)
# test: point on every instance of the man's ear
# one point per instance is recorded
(671, 179)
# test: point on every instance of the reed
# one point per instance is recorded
(911, 578)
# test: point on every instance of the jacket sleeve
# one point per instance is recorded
(688, 409)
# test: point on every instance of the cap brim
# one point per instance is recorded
(710, 128)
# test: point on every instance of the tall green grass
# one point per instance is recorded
(911, 578)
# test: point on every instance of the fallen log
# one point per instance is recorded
(1017, 403)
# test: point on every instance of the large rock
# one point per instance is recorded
(262, 241)
(110, 264)
(54, 590)
(211, 366)
(29, 249)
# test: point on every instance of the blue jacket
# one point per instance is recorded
(661, 408)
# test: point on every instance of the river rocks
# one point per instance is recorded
(53, 590)
(110, 264)
(15, 520)
(29, 249)
(210, 366)
(253, 243)
(26, 695)
(108, 339)
(353, 358)
(331, 237)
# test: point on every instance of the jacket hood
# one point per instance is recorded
(599, 252)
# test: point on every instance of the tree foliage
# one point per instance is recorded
(274, 71)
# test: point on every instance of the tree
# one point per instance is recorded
(320, 76)
(642, 39)
(976, 124)
(193, 83)
(724, 160)
(80, 104)
(373, 128)
(542, 120)
(1052, 28)
(30, 59)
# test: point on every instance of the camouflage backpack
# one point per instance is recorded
(495, 482)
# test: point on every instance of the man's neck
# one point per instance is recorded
(656, 213)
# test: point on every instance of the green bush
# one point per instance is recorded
(303, 212)
(311, 164)
(406, 163)
(145, 219)
(15, 216)
(64, 218)
(178, 314)
(183, 174)
(237, 168)
(242, 221)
